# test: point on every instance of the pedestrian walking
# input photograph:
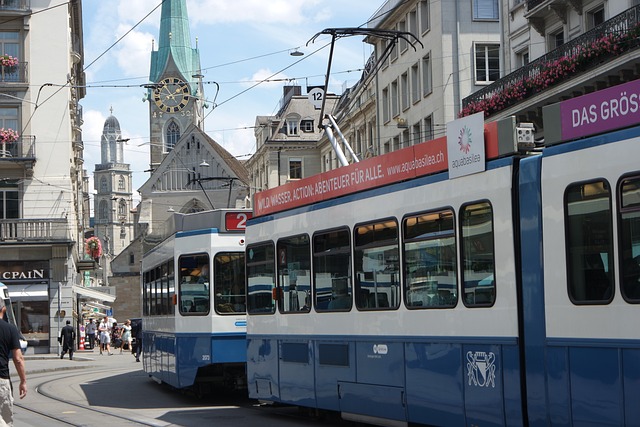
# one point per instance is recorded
(116, 334)
(137, 333)
(9, 347)
(105, 339)
(126, 335)
(91, 334)
(68, 339)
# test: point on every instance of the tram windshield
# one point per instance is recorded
(229, 285)
(193, 285)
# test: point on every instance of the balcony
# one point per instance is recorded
(23, 149)
(15, 74)
(15, 6)
(602, 57)
(34, 230)
(19, 154)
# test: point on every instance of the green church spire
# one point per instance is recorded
(175, 43)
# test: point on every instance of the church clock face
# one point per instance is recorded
(172, 96)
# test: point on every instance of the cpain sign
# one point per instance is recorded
(21, 275)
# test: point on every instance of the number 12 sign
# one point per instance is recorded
(236, 221)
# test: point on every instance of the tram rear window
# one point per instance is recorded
(430, 260)
(630, 238)
(228, 270)
(261, 278)
(589, 242)
(194, 287)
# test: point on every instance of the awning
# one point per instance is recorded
(96, 305)
(92, 293)
(28, 291)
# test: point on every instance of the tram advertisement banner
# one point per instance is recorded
(598, 112)
(421, 159)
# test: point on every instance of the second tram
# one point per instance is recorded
(194, 313)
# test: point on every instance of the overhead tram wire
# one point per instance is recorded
(266, 79)
(123, 36)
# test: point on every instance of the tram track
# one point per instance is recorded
(82, 414)
(94, 395)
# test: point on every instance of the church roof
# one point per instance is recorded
(111, 125)
(175, 42)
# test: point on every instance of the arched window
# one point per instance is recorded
(122, 210)
(121, 185)
(104, 211)
(172, 136)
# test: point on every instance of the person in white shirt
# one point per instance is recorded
(105, 337)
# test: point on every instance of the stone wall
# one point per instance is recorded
(128, 303)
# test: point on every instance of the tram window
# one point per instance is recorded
(261, 278)
(630, 238)
(294, 274)
(228, 269)
(478, 256)
(193, 284)
(429, 252)
(589, 248)
(332, 271)
(172, 288)
(377, 266)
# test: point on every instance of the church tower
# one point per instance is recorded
(176, 98)
(113, 199)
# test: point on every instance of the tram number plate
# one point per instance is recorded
(206, 357)
(236, 220)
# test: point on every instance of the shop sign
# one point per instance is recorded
(17, 270)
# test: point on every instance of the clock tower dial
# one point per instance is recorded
(172, 95)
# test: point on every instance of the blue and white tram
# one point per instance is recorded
(9, 315)
(194, 312)
(505, 297)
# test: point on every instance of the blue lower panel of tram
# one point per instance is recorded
(437, 383)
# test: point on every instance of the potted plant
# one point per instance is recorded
(8, 135)
(9, 61)
(93, 247)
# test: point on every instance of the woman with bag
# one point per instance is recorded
(126, 335)
(116, 336)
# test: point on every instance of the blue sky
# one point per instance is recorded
(241, 42)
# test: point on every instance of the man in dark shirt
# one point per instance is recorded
(67, 339)
(137, 333)
(9, 347)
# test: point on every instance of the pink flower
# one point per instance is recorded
(8, 61)
(8, 135)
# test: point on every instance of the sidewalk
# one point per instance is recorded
(82, 359)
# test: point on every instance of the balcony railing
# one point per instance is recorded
(45, 229)
(614, 37)
(15, 74)
(20, 5)
(533, 3)
(23, 149)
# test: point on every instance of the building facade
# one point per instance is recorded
(287, 143)
(451, 50)
(43, 201)
(556, 50)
